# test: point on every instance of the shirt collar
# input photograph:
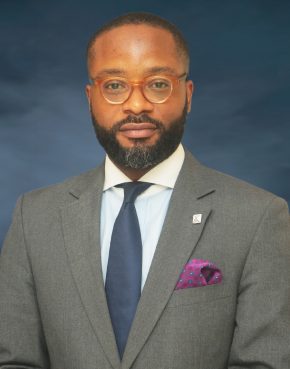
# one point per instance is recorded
(164, 174)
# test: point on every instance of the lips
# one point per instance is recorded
(138, 130)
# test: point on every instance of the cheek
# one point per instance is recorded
(171, 109)
(105, 114)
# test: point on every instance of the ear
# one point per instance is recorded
(89, 93)
(189, 92)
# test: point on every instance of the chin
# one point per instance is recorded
(137, 142)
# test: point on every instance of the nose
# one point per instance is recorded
(137, 103)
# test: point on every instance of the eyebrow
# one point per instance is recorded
(121, 72)
(110, 72)
(158, 69)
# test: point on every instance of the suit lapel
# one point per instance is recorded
(177, 241)
(81, 224)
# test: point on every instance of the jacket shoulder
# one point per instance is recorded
(228, 189)
(62, 193)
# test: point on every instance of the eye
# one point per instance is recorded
(158, 84)
(114, 86)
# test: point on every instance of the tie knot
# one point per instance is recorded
(133, 189)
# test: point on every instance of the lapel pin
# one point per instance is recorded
(196, 218)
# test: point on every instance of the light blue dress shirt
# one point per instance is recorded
(151, 206)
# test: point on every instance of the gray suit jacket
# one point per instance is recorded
(53, 310)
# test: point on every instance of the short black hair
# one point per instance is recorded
(147, 19)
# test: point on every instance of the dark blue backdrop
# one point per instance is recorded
(240, 120)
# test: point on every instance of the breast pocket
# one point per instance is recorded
(198, 295)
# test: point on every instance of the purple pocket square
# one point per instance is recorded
(198, 273)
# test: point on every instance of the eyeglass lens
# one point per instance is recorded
(155, 89)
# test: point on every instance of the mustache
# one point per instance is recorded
(144, 118)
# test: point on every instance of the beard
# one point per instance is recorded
(141, 156)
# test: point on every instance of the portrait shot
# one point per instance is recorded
(145, 185)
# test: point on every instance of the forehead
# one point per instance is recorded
(135, 49)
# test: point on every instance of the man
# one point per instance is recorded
(213, 274)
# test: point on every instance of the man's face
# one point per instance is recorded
(138, 133)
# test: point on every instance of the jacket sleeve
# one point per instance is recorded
(262, 333)
(22, 343)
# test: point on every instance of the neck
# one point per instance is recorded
(133, 174)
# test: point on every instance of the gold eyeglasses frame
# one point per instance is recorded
(173, 79)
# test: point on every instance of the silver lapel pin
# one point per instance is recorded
(196, 218)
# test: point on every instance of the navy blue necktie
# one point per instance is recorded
(124, 271)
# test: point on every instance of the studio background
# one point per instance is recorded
(240, 63)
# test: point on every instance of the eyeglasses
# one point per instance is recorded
(156, 89)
